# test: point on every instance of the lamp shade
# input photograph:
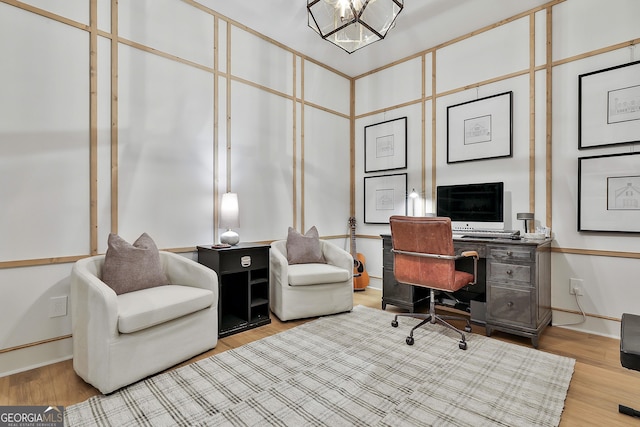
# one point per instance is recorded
(229, 212)
(524, 215)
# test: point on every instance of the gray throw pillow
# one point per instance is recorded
(304, 249)
(129, 268)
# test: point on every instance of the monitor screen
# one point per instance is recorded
(472, 205)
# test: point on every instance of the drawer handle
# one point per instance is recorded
(510, 304)
(509, 272)
(509, 253)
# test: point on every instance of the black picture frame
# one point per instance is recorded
(480, 129)
(609, 106)
(385, 145)
(384, 196)
(609, 193)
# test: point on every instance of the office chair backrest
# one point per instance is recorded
(426, 235)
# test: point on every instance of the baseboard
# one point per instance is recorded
(32, 357)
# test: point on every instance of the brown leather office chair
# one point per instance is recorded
(424, 256)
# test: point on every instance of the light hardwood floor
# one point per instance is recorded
(598, 385)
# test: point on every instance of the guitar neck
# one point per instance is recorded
(353, 241)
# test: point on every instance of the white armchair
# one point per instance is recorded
(307, 290)
(120, 339)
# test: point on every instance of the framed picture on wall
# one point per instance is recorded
(609, 193)
(480, 129)
(384, 196)
(609, 106)
(385, 145)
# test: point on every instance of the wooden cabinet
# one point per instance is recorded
(243, 283)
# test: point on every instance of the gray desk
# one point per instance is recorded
(514, 279)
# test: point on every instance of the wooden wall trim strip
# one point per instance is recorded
(302, 142)
(595, 316)
(33, 344)
(216, 123)
(93, 126)
(114, 116)
(549, 117)
(595, 252)
(532, 112)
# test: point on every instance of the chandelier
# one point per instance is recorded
(353, 24)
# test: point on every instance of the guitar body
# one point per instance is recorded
(360, 275)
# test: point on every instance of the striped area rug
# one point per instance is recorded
(351, 369)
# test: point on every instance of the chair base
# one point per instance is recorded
(433, 318)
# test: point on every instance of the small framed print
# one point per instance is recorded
(609, 106)
(480, 129)
(609, 193)
(384, 196)
(385, 145)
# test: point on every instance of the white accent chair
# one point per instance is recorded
(120, 339)
(306, 290)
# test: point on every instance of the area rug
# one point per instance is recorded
(350, 369)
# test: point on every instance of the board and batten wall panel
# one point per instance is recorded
(325, 88)
(104, 143)
(613, 22)
(165, 149)
(104, 15)
(24, 316)
(261, 151)
(260, 62)
(541, 38)
(388, 87)
(513, 171)
(494, 53)
(77, 10)
(170, 26)
(566, 154)
(326, 171)
(44, 137)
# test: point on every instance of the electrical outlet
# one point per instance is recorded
(575, 287)
(58, 306)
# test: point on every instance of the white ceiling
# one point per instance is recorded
(421, 25)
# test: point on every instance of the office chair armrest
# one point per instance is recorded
(423, 255)
(468, 254)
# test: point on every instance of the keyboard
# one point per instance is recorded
(487, 234)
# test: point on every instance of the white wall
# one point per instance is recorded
(485, 63)
(175, 147)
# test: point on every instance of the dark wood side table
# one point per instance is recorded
(243, 283)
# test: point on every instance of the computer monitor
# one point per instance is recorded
(472, 206)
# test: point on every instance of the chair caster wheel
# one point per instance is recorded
(410, 341)
(467, 328)
(462, 345)
(394, 323)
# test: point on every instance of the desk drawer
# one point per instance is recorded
(509, 253)
(501, 272)
(512, 305)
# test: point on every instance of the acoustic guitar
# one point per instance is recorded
(360, 275)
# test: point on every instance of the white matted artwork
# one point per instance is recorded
(385, 145)
(384, 196)
(609, 106)
(609, 193)
(480, 129)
